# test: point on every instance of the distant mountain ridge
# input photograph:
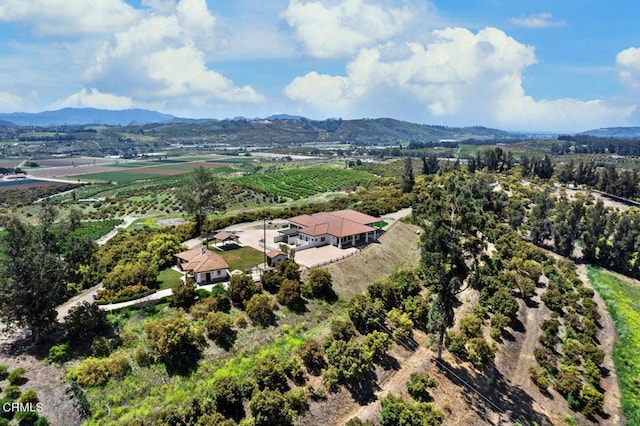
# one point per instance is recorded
(79, 116)
(614, 132)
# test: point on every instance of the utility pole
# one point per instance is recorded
(264, 241)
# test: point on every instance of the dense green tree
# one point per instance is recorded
(174, 340)
(566, 224)
(418, 386)
(397, 412)
(350, 359)
(430, 165)
(220, 329)
(450, 244)
(199, 195)
(31, 278)
(183, 293)
(289, 293)
(85, 321)
(312, 354)
(227, 395)
(319, 284)
(595, 231)
(269, 408)
(241, 289)
(259, 309)
(407, 180)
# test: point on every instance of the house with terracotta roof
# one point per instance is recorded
(276, 256)
(342, 228)
(205, 266)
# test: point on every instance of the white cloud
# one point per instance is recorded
(540, 20)
(628, 63)
(69, 18)
(340, 30)
(458, 76)
(95, 99)
(10, 102)
(162, 58)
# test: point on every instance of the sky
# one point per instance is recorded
(541, 65)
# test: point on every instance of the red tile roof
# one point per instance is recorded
(341, 223)
(199, 260)
(274, 253)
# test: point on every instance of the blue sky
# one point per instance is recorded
(543, 65)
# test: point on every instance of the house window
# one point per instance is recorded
(322, 239)
(219, 273)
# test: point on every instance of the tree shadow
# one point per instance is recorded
(496, 394)
(388, 362)
(363, 390)
(531, 303)
(517, 326)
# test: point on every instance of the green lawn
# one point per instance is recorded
(623, 303)
(168, 277)
(241, 258)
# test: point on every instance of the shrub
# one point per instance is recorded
(319, 284)
(29, 396)
(3, 371)
(471, 326)
(330, 378)
(376, 343)
(480, 353)
(259, 309)
(568, 380)
(219, 329)
(312, 355)
(59, 353)
(142, 356)
(12, 392)
(269, 408)
(400, 324)
(26, 417)
(342, 329)
(101, 346)
(355, 421)
(289, 293)
(350, 359)
(591, 400)
(91, 372)
(456, 343)
(269, 373)
(227, 395)
(539, 378)
(174, 341)
(118, 365)
(42, 421)
(498, 324)
(15, 377)
(418, 386)
(183, 293)
(396, 411)
(241, 289)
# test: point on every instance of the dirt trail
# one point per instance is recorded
(607, 336)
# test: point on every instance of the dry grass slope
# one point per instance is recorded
(397, 247)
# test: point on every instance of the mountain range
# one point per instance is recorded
(384, 130)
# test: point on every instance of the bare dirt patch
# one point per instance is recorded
(45, 379)
(158, 171)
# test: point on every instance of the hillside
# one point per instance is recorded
(78, 116)
(614, 132)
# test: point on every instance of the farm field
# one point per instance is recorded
(295, 183)
(623, 303)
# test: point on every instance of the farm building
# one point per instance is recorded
(342, 228)
(206, 267)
